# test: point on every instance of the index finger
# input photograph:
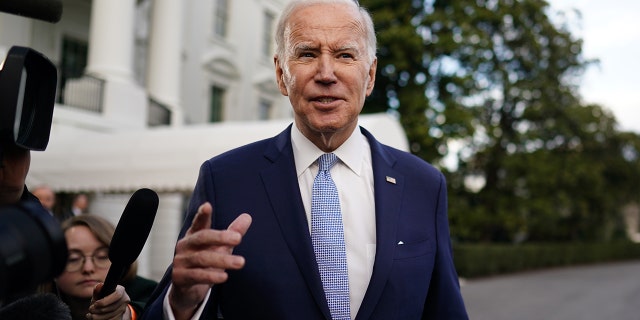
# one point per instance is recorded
(202, 219)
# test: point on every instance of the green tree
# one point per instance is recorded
(496, 76)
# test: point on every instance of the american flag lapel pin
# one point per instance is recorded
(391, 179)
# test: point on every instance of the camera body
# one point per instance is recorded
(32, 246)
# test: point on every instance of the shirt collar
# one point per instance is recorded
(351, 152)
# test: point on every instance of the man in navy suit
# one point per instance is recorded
(245, 251)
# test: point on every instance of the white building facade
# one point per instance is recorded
(148, 90)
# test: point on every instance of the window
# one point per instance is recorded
(264, 109)
(220, 18)
(74, 60)
(217, 104)
(267, 35)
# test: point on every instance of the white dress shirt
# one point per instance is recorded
(353, 176)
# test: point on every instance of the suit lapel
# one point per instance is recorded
(281, 185)
(388, 187)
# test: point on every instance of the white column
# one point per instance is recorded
(165, 50)
(111, 39)
(108, 205)
(111, 43)
(158, 253)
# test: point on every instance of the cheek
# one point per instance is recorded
(18, 165)
(65, 282)
(102, 273)
(290, 81)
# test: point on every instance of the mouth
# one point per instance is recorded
(89, 282)
(326, 101)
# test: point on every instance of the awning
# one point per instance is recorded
(161, 158)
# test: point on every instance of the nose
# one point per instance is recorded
(325, 72)
(88, 266)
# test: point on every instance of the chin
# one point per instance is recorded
(86, 294)
(329, 124)
(327, 128)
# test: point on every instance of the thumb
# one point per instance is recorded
(241, 224)
(96, 291)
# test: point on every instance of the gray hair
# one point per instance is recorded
(365, 17)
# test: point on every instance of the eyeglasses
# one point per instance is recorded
(76, 260)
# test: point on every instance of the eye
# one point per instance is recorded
(102, 254)
(74, 259)
(345, 55)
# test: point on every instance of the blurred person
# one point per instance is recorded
(14, 166)
(389, 235)
(28, 97)
(47, 197)
(79, 204)
(88, 237)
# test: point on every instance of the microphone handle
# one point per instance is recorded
(116, 272)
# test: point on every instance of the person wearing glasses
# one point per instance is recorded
(88, 237)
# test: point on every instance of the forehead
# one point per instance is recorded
(80, 237)
(330, 22)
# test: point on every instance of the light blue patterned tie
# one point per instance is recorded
(327, 236)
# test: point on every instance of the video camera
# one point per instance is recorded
(33, 249)
(27, 95)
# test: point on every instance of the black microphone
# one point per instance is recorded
(47, 10)
(129, 237)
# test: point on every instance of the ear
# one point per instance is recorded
(372, 76)
(280, 76)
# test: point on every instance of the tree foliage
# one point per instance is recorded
(497, 77)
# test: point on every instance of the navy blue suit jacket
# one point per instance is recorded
(415, 279)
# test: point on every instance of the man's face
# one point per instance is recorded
(326, 71)
(46, 196)
(13, 172)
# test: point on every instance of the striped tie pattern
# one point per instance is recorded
(327, 236)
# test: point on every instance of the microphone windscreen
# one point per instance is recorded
(47, 10)
(41, 306)
(133, 227)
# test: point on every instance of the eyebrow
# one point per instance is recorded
(349, 47)
(311, 47)
(301, 46)
(78, 251)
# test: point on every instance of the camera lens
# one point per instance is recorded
(32, 248)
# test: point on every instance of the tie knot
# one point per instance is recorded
(326, 161)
